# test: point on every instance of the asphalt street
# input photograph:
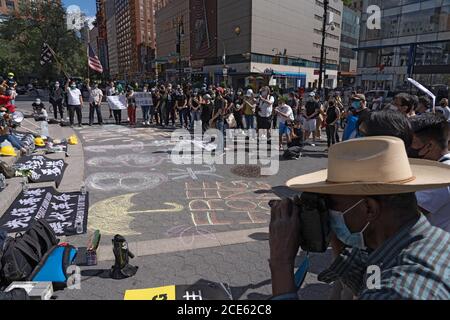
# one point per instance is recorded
(186, 223)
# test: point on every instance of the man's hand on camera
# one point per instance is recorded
(284, 231)
(284, 240)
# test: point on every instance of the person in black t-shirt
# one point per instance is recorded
(312, 109)
(182, 107)
(207, 110)
(333, 115)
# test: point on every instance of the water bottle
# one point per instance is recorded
(44, 129)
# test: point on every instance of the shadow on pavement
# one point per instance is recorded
(260, 236)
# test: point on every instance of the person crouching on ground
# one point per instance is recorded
(39, 111)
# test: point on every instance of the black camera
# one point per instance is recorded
(315, 232)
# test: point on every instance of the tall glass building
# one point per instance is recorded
(414, 41)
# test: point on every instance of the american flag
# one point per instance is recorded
(94, 62)
(46, 55)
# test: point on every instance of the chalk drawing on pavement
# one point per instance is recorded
(130, 182)
(187, 234)
(114, 215)
(229, 203)
(186, 173)
(126, 160)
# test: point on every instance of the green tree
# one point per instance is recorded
(347, 2)
(23, 34)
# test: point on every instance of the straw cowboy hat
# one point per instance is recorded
(373, 166)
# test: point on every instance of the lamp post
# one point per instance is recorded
(180, 34)
(322, 49)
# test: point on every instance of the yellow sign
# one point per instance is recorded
(161, 294)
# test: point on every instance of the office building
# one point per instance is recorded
(241, 43)
(413, 41)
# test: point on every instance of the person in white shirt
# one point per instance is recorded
(430, 142)
(74, 102)
(264, 107)
(285, 115)
(95, 103)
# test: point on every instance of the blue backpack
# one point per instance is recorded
(54, 264)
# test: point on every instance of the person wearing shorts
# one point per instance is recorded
(284, 116)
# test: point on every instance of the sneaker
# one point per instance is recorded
(312, 144)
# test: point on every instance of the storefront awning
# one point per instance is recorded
(289, 74)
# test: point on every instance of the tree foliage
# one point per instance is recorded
(22, 35)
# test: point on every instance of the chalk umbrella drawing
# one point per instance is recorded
(114, 215)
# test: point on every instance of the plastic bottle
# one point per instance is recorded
(44, 129)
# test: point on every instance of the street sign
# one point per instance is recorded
(225, 71)
(316, 72)
(187, 70)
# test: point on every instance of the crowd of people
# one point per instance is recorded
(392, 185)
(305, 117)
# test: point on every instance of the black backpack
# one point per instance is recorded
(23, 253)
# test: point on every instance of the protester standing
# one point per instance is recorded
(182, 107)
(131, 102)
(95, 103)
(147, 109)
(195, 107)
(206, 113)
(312, 111)
(333, 114)
(56, 99)
(170, 105)
(265, 107)
(74, 102)
(238, 105)
(249, 110)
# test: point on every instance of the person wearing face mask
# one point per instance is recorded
(238, 105)
(430, 142)
(369, 191)
(95, 103)
(74, 102)
(56, 100)
(148, 110)
(11, 84)
(359, 113)
(265, 108)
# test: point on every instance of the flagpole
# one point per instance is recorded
(57, 61)
(87, 48)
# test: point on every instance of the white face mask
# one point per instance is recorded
(343, 233)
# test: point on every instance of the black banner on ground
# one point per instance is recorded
(67, 212)
(43, 169)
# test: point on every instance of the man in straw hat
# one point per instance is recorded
(369, 190)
